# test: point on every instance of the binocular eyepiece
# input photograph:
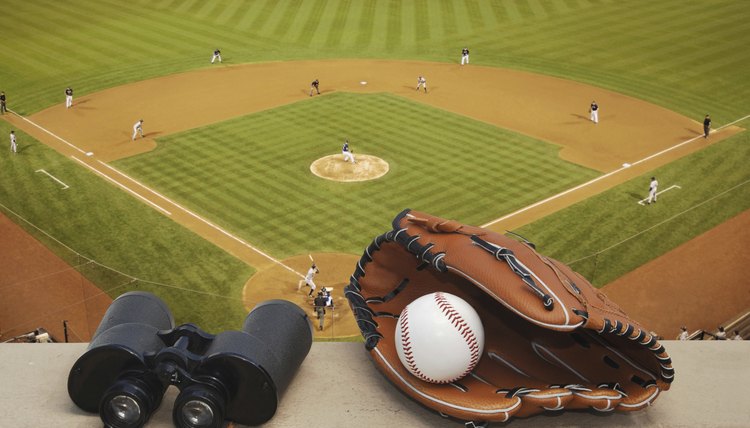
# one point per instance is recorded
(137, 352)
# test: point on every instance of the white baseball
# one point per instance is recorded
(439, 338)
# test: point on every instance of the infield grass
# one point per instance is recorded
(252, 174)
(102, 223)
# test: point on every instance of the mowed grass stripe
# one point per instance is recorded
(614, 216)
(277, 191)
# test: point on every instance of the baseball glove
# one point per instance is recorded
(552, 341)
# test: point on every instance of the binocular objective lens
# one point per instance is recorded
(125, 409)
(197, 414)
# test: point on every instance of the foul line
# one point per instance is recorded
(674, 186)
(207, 222)
(660, 223)
(122, 186)
(50, 133)
(65, 186)
(602, 177)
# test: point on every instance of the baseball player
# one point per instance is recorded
(217, 55)
(706, 126)
(314, 87)
(13, 146)
(594, 110)
(721, 334)
(68, 97)
(652, 190)
(3, 109)
(308, 281)
(464, 56)
(422, 82)
(737, 335)
(347, 152)
(138, 127)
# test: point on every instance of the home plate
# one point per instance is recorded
(363, 83)
(89, 153)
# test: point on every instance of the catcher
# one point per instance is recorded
(552, 341)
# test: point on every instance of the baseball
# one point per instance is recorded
(439, 338)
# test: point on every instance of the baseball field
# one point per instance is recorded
(216, 208)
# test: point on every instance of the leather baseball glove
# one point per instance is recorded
(552, 341)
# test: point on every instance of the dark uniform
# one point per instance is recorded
(706, 126)
(2, 103)
(314, 86)
(320, 309)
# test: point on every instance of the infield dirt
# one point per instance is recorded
(543, 107)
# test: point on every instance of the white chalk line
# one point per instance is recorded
(48, 132)
(674, 186)
(661, 222)
(205, 221)
(602, 177)
(139, 196)
(122, 186)
(65, 186)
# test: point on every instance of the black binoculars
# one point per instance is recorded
(137, 353)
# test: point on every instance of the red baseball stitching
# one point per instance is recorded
(460, 324)
(456, 320)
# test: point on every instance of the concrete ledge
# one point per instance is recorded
(337, 385)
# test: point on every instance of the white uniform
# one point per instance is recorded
(737, 337)
(348, 155)
(422, 83)
(464, 56)
(68, 97)
(309, 281)
(683, 335)
(13, 147)
(138, 127)
(594, 110)
(217, 55)
(652, 190)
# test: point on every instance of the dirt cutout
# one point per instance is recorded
(333, 167)
(97, 129)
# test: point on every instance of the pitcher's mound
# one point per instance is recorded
(334, 168)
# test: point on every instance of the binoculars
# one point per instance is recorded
(136, 353)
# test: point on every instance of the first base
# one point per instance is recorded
(363, 83)
(89, 153)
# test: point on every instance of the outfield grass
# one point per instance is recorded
(103, 223)
(252, 176)
(588, 227)
(690, 56)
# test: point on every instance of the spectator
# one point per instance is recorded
(721, 335)
(683, 334)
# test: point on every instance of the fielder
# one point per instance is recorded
(652, 190)
(217, 55)
(422, 82)
(13, 146)
(347, 152)
(68, 97)
(309, 281)
(3, 109)
(314, 87)
(706, 126)
(594, 110)
(138, 127)
(464, 56)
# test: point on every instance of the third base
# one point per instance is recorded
(439, 338)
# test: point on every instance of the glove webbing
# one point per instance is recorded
(502, 253)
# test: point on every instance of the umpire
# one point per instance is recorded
(320, 308)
